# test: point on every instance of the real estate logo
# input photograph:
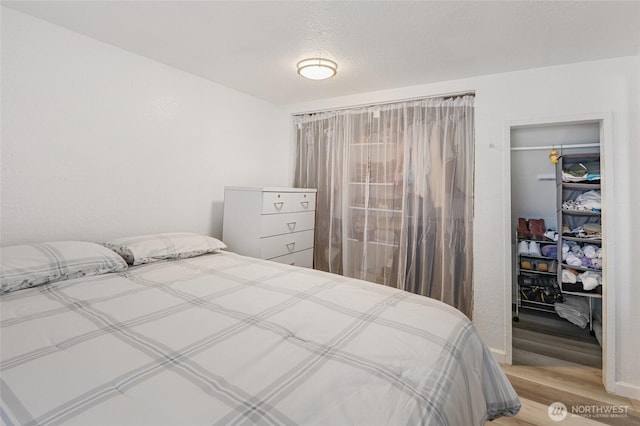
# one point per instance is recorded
(557, 411)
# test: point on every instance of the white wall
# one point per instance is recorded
(98, 142)
(546, 95)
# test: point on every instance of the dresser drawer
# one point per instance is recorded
(286, 223)
(287, 202)
(280, 245)
(302, 258)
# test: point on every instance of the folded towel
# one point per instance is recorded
(590, 251)
(577, 250)
(578, 320)
(575, 309)
(590, 280)
(596, 263)
(568, 277)
(592, 228)
(590, 199)
(573, 260)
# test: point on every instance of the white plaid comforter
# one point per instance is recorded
(226, 339)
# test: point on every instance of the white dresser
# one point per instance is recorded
(270, 223)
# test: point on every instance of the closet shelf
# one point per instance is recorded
(581, 213)
(536, 257)
(538, 306)
(534, 272)
(538, 241)
(597, 241)
(583, 294)
(580, 185)
(568, 191)
(580, 268)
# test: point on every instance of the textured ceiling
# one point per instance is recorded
(253, 46)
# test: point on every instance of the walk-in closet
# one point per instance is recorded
(557, 250)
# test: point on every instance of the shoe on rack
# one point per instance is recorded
(526, 264)
(523, 228)
(523, 247)
(537, 229)
(534, 249)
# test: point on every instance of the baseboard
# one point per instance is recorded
(626, 389)
(499, 355)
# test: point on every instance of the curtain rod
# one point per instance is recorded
(450, 95)
(569, 146)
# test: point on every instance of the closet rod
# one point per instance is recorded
(570, 146)
(395, 101)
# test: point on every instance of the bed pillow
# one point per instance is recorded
(174, 245)
(30, 265)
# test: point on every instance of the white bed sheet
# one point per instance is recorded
(227, 339)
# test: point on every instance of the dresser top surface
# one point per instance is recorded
(268, 189)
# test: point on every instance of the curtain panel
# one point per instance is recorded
(395, 194)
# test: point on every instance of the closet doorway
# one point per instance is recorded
(556, 322)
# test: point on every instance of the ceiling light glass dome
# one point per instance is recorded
(317, 68)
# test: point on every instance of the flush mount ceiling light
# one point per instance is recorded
(317, 68)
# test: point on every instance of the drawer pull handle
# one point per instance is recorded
(305, 204)
(291, 226)
(278, 205)
(290, 246)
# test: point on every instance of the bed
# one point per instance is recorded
(204, 336)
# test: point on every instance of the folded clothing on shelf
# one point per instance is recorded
(569, 276)
(587, 201)
(590, 231)
(585, 255)
(575, 281)
(590, 280)
(578, 288)
(581, 171)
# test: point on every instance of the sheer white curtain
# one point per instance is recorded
(395, 194)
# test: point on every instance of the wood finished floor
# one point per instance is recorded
(558, 362)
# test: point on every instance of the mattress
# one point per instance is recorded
(226, 339)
